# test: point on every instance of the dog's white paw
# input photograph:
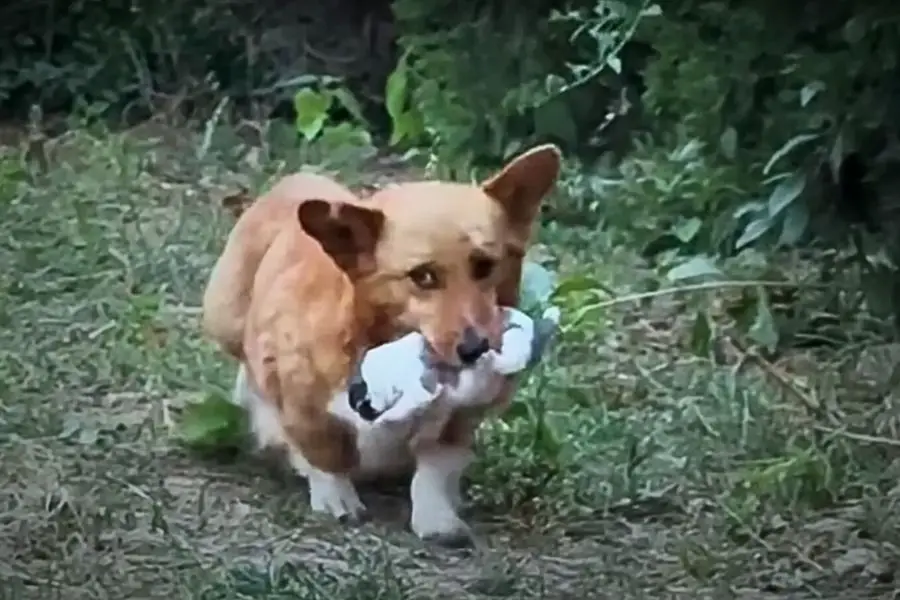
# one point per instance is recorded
(335, 496)
(441, 525)
(436, 498)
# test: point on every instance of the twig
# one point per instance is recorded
(798, 553)
(859, 437)
(775, 373)
(604, 62)
(209, 129)
(700, 287)
(632, 298)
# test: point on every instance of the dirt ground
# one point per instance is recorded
(631, 470)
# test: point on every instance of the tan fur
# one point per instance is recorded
(311, 276)
(227, 296)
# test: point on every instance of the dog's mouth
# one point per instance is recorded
(433, 359)
(437, 368)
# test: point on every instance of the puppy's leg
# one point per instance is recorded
(436, 495)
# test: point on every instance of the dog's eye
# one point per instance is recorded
(482, 267)
(425, 277)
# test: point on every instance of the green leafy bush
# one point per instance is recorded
(694, 127)
(142, 56)
(701, 128)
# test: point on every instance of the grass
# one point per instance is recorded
(630, 468)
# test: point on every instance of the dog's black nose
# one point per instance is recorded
(472, 346)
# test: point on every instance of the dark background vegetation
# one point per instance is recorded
(709, 92)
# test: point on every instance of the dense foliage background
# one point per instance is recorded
(696, 129)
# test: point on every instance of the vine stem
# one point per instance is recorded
(701, 287)
(604, 62)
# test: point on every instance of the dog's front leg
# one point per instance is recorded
(322, 447)
(330, 493)
(436, 490)
(324, 451)
(436, 495)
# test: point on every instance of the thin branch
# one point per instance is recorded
(701, 287)
(859, 437)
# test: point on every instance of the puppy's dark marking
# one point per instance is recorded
(358, 395)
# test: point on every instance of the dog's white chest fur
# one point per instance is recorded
(383, 451)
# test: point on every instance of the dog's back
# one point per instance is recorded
(228, 293)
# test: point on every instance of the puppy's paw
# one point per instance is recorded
(335, 496)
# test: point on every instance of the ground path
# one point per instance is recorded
(651, 483)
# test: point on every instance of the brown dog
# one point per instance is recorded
(312, 276)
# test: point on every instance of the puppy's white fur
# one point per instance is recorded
(394, 372)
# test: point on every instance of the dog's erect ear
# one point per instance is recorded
(522, 185)
(520, 188)
(347, 232)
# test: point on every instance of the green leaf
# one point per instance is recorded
(694, 268)
(701, 335)
(687, 229)
(589, 313)
(545, 441)
(614, 63)
(538, 284)
(753, 206)
(395, 95)
(728, 141)
(349, 102)
(764, 331)
(785, 193)
(836, 155)
(575, 284)
(810, 91)
(855, 30)
(791, 144)
(213, 422)
(661, 244)
(796, 220)
(345, 135)
(755, 229)
(312, 112)
(407, 126)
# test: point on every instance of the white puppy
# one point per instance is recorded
(395, 383)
